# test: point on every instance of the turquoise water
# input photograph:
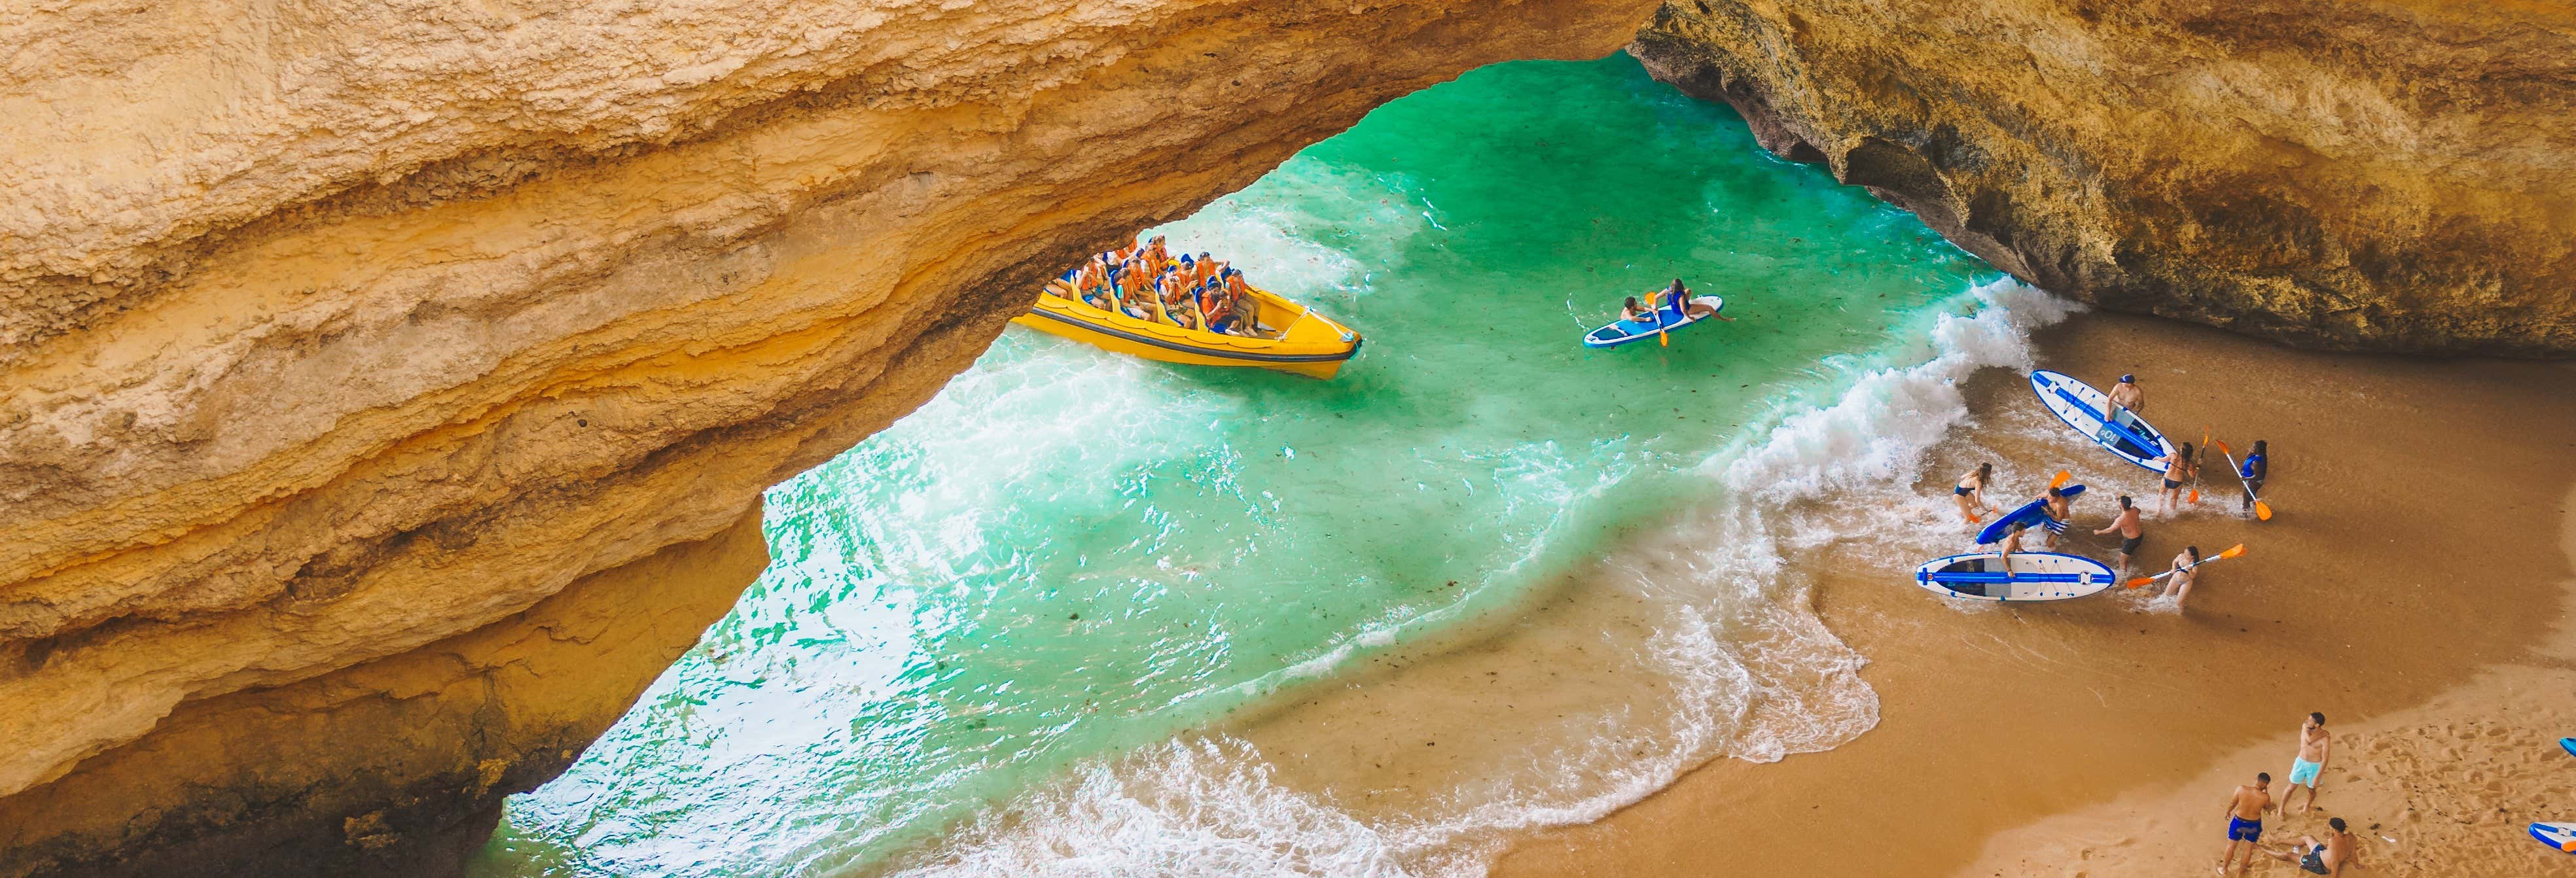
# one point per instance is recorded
(1071, 553)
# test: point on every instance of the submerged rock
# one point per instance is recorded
(2395, 175)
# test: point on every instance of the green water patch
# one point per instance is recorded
(1070, 552)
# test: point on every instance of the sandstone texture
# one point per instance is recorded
(2393, 175)
(387, 389)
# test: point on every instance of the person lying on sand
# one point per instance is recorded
(2130, 533)
(2315, 744)
(2326, 857)
(2245, 809)
(2185, 570)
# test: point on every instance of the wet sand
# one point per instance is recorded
(2410, 587)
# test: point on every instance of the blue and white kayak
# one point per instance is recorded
(2035, 576)
(2033, 513)
(2568, 744)
(2558, 835)
(1663, 320)
(2082, 408)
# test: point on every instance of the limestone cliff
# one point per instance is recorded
(2364, 174)
(386, 389)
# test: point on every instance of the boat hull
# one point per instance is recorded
(1310, 344)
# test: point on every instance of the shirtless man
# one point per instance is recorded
(1970, 492)
(2185, 569)
(2127, 395)
(2012, 543)
(2060, 507)
(2245, 809)
(2323, 857)
(2130, 533)
(2315, 744)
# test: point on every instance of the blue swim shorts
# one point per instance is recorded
(2241, 829)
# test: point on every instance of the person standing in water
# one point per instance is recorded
(2315, 744)
(2185, 570)
(2179, 468)
(2060, 507)
(1970, 492)
(2245, 809)
(2130, 533)
(2012, 544)
(2252, 469)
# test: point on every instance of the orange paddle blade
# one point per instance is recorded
(2141, 581)
(2222, 447)
(2262, 511)
(2062, 477)
(2232, 551)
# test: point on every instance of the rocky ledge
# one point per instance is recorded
(2394, 175)
(387, 389)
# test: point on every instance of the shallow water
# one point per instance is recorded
(1070, 555)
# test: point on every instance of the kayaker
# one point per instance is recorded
(1970, 492)
(2179, 469)
(2252, 469)
(2127, 395)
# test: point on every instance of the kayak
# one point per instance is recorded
(2033, 513)
(2035, 576)
(2082, 407)
(1663, 320)
(2558, 835)
(1288, 337)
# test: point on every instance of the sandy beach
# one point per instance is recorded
(2413, 587)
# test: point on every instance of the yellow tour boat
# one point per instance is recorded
(1288, 337)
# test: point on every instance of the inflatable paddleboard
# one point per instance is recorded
(2558, 835)
(1662, 321)
(2032, 513)
(2035, 576)
(2081, 407)
(2568, 744)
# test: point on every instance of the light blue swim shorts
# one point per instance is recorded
(2303, 772)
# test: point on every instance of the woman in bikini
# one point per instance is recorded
(2178, 470)
(1970, 492)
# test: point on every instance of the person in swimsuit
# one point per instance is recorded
(2245, 809)
(2179, 468)
(2060, 507)
(1636, 312)
(2326, 857)
(2252, 469)
(1970, 492)
(2130, 533)
(2315, 744)
(2012, 543)
(2126, 395)
(2184, 571)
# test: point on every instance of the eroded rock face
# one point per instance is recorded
(358, 358)
(2362, 174)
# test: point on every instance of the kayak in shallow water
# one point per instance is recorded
(2120, 431)
(1662, 321)
(2035, 576)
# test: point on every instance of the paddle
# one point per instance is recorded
(2234, 551)
(2262, 510)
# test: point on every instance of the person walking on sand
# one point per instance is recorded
(2326, 857)
(2245, 809)
(2130, 533)
(2184, 571)
(2252, 469)
(2179, 468)
(1970, 492)
(2315, 744)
